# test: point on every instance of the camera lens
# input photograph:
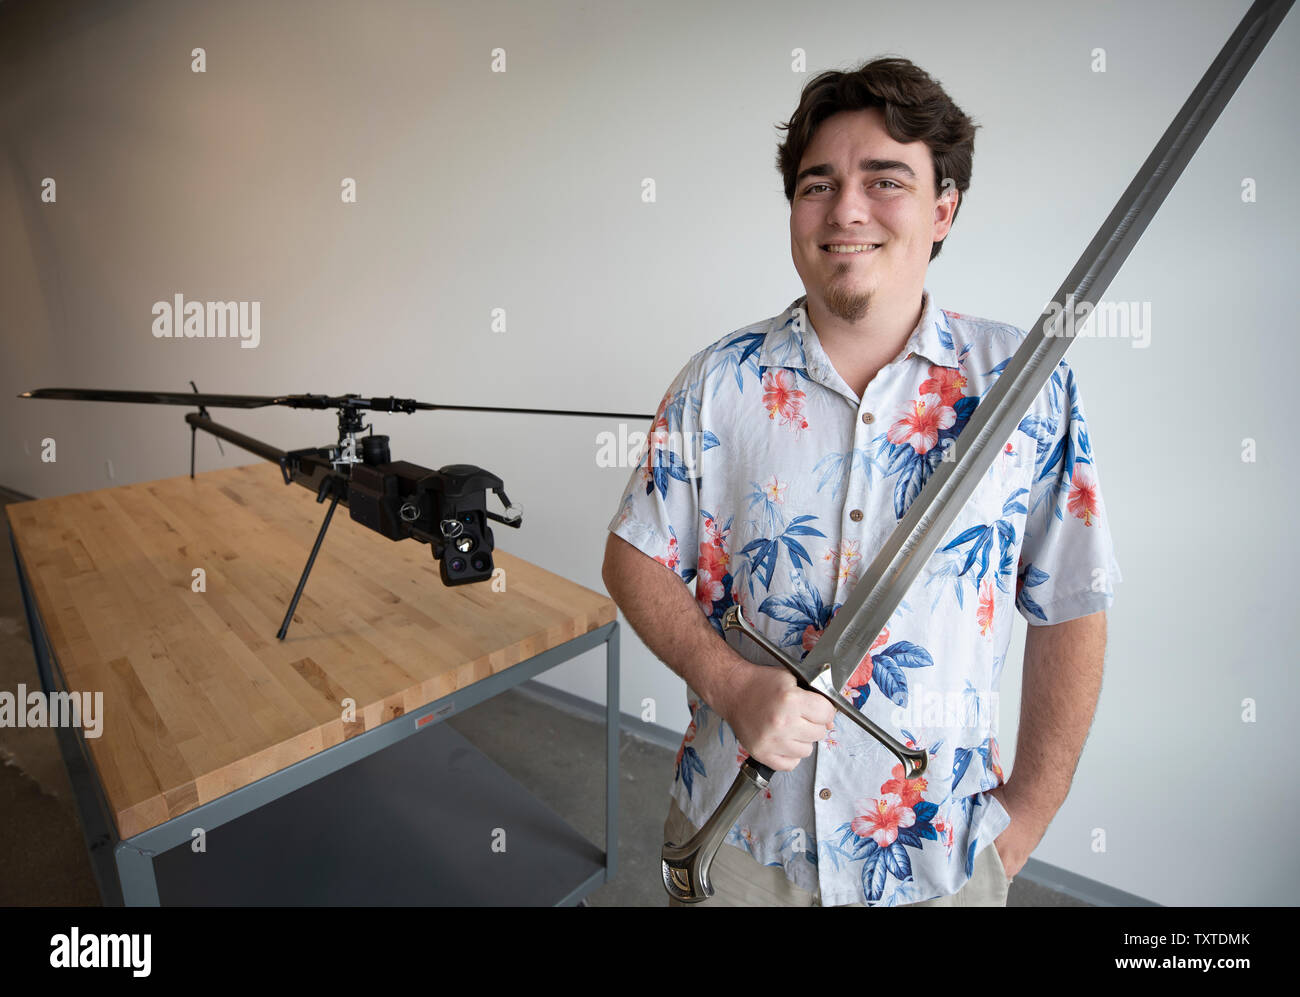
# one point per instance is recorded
(465, 544)
(457, 564)
(480, 562)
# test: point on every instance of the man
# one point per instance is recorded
(781, 458)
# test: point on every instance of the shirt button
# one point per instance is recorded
(825, 794)
(856, 515)
(867, 417)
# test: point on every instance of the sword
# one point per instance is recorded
(849, 635)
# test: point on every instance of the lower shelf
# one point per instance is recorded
(412, 824)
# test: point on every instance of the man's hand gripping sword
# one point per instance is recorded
(686, 866)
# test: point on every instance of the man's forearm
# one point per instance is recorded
(665, 615)
(1062, 680)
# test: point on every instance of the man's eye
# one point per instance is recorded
(813, 187)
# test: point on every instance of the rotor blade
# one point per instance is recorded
(390, 404)
(544, 411)
(880, 589)
(377, 404)
(190, 399)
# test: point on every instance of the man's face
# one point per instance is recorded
(864, 189)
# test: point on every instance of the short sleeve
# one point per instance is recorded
(1067, 560)
(659, 513)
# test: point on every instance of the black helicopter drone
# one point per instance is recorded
(446, 508)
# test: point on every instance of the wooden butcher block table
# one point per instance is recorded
(229, 769)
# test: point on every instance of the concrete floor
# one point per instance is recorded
(43, 859)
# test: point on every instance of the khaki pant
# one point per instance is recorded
(740, 881)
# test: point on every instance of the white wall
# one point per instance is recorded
(521, 190)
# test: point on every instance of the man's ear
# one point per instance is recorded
(945, 209)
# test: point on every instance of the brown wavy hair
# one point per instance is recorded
(916, 108)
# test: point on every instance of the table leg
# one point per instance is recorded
(135, 873)
(612, 717)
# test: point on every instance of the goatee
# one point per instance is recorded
(846, 304)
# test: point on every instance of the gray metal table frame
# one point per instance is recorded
(124, 869)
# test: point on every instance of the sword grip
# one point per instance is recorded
(686, 867)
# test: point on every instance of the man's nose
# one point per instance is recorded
(850, 205)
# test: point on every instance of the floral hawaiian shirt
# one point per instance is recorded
(767, 482)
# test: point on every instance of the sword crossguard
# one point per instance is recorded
(913, 760)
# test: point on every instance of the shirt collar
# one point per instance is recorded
(784, 345)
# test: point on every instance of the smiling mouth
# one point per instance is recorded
(859, 249)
